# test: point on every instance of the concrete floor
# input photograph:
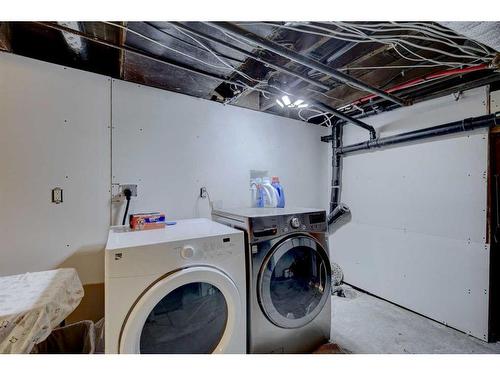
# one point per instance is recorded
(366, 324)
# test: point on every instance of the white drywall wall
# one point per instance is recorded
(54, 131)
(171, 145)
(418, 228)
(416, 236)
(54, 122)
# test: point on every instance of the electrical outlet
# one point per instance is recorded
(131, 187)
(57, 195)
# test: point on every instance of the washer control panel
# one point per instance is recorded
(266, 227)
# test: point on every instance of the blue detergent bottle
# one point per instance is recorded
(260, 193)
(281, 193)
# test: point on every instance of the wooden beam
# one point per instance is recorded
(121, 41)
(5, 36)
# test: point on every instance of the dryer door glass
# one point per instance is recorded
(294, 282)
(190, 319)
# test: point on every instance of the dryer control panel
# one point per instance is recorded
(208, 248)
(160, 258)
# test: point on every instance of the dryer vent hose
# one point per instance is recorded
(338, 212)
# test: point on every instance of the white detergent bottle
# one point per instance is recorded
(272, 195)
(254, 191)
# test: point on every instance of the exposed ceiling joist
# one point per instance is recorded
(145, 55)
(253, 56)
(304, 60)
(196, 59)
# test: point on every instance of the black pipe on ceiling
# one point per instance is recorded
(255, 39)
(465, 125)
(347, 118)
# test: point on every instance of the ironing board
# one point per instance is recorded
(32, 304)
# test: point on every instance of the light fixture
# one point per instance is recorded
(286, 102)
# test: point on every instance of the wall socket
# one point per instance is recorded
(131, 187)
(57, 195)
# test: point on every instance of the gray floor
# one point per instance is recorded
(366, 324)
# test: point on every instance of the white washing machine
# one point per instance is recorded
(175, 290)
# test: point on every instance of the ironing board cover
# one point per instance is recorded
(32, 304)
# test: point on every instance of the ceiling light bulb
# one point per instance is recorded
(279, 103)
(298, 102)
(302, 105)
(286, 100)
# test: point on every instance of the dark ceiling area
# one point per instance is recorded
(347, 69)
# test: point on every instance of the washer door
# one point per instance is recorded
(193, 310)
(294, 282)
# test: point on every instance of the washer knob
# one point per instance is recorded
(187, 252)
(294, 222)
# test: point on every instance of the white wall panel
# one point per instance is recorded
(418, 228)
(171, 145)
(54, 131)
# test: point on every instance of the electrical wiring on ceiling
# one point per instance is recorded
(399, 40)
(446, 40)
(336, 36)
(148, 56)
(356, 33)
(355, 28)
(235, 38)
(426, 29)
(358, 37)
(227, 66)
(435, 36)
(470, 50)
(196, 46)
(319, 113)
(421, 58)
(213, 53)
(164, 46)
(260, 83)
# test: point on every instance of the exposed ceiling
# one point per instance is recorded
(251, 64)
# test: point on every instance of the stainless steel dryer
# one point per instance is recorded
(288, 277)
